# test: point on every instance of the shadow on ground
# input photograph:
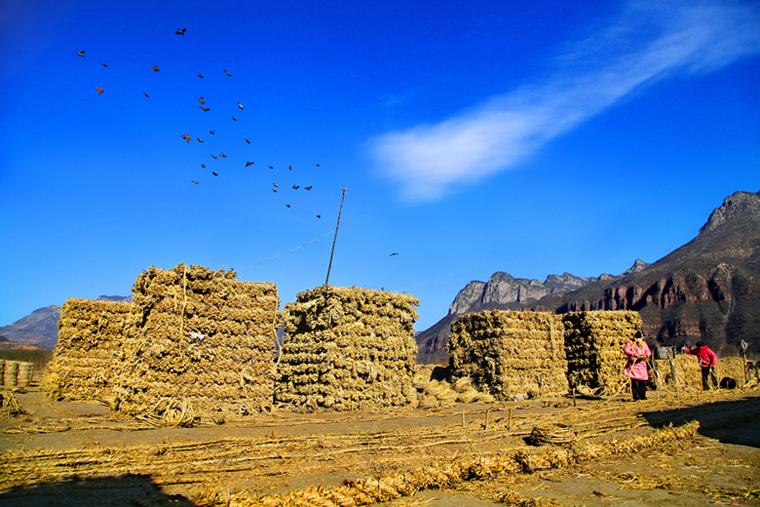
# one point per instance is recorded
(730, 422)
(126, 490)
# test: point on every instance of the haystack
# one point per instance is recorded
(594, 344)
(688, 374)
(91, 335)
(509, 354)
(348, 349)
(202, 344)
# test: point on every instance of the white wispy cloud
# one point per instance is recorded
(649, 41)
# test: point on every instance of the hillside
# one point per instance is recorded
(707, 289)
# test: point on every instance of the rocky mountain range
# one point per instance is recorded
(708, 289)
(40, 327)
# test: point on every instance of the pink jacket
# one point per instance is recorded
(636, 368)
(704, 354)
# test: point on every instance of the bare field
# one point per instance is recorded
(61, 453)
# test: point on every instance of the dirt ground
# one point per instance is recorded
(79, 453)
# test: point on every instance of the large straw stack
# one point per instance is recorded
(510, 354)
(347, 349)
(10, 374)
(594, 344)
(202, 340)
(91, 335)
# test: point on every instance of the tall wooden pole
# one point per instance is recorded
(335, 237)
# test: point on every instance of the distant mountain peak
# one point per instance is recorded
(638, 265)
(736, 205)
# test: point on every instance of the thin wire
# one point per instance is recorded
(291, 250)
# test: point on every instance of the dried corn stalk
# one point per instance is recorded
(91, 335)
(201, 339)
(348, 349)
(509, 354)
(594, 344)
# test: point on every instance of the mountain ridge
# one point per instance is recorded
(709, 288)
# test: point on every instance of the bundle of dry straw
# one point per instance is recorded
(91, 335)
(347, 349)
(509, 354)
(201, 340)
(594, 344)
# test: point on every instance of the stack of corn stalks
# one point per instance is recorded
(594, 344)
(201, 346)
(688, 374)
(511, 355)
(347, 349)
(91, 335)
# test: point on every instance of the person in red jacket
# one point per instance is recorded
(707, 361)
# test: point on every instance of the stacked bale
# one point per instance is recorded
(348, 349)
(594, 344)
(91, 335)
(202, 343)
(688, 374)
(24, 377)
(511, 355)
(10, 374)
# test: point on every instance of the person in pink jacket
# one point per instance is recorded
(636, 369)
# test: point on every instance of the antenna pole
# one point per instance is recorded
(335, 237)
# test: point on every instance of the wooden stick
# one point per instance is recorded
(335, 237)
(488, 410)
(573, 396)
(509, 419)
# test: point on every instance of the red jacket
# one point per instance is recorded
(704, 354)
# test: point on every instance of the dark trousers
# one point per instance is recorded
(639, 389)
(709, 376)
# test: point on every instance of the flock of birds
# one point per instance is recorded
(203, 106)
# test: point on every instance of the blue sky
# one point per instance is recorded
(491, 136)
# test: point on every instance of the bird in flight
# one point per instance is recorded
(296, 187)
(248, 164)
(205, 109)
(99, 89)
(215, 173)
(201, 100)
(271, 167)
(156, 69)
(201, 76)
(290, 168)
(247, 141)
(181, 31)
(317, 164)
(223, 155)
(104, 64)
(319, 216)
(214, 156)
(233, 118)
(199, 139)
(394, 254)
(186, 137)
(195, 182)
(275, 190)
(308, 189)
(212, 132)
(287, 205)
(203, 166)
(146, 95)
(240, 106)
(275, 184)
(80, 53)
(229, 74)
